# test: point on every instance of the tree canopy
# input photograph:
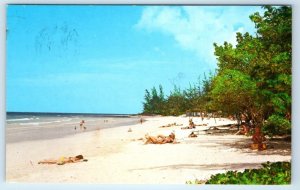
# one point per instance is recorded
(252, 79)
(266, 60)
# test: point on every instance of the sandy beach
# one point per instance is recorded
(116, 156)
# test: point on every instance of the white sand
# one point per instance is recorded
(115, 156)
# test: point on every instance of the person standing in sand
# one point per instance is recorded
(81, 125)
(141, 120)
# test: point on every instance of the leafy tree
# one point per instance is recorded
(234, 92)
(147, 104)
(274, 30)
(266, 59)
(154, 102)
(176, 103)
(253, 78)
(192, 96)
(161, 107)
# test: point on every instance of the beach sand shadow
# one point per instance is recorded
(224, 166)
(274, 147)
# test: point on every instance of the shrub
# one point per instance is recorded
(278, 173)
(270, 173)
(277, 125)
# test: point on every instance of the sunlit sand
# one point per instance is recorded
(116, 156)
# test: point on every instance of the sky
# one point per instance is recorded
(100, 59)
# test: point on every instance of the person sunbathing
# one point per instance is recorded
(192, 135)
(191, 125)
(160, 139)
(204, 124)
(169, 125)
(64, 160)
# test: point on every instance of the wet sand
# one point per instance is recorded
(58, 127)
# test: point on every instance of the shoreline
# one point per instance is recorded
(116, 156)
(61, 127)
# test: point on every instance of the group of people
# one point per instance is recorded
(258, 142)
(162, 139)
(258, 137)
(81, 125)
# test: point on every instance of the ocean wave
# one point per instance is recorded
(22, 119)
(40, 123)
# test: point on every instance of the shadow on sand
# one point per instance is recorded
(276, 146)
(225, 166)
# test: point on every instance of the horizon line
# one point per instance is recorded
(68, 113)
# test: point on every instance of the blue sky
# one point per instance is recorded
(100, 59)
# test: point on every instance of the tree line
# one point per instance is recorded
(192, 99)
(253, 79)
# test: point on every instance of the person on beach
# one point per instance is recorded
(64, 160)
(81, 125)
(258, 140)
(191, 125)
(169, 125)
(160, 139)
(244, 131)
(192, 135)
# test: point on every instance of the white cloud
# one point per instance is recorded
(196, 28)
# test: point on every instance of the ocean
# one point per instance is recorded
(22, 126)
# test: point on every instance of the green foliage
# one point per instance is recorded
(266, 61)
(253, 78)
(147, 104)
(194, 98)
(233, 91)
(154, 102)
(278, 173)
(277, 125)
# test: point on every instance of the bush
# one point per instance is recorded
(277, 125)
(278, 173)
(272, 173)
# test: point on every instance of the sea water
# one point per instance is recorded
(37, 126)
